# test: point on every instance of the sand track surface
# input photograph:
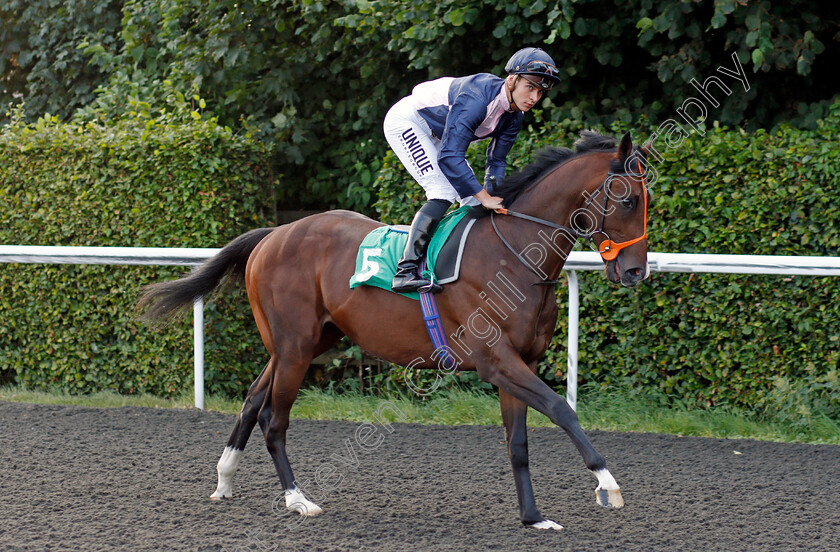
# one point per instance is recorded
(91, 479)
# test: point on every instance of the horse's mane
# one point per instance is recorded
(547, 159)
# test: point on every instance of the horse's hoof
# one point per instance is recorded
(545, 524)
(309, 509)
(609, 499)
(296, 501)
(220, 495)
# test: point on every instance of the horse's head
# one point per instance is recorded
(599, 189)
(615, 214)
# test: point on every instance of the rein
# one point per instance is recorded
(608, 249)
(544, 222)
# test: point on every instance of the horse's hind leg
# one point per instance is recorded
(245, 421)
(286, 379)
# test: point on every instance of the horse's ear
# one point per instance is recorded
(625, 148)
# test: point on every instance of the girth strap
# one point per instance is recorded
(434, 326)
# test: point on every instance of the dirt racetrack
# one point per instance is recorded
(91, 479)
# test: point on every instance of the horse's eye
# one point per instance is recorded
(629, 202)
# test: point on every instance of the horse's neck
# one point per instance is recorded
(554, 199)
(556, 196)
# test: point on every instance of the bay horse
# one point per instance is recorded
(296, 276)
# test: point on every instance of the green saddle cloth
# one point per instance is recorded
(380, 251)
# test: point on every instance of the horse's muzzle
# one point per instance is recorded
(632, 276)
(628, 277)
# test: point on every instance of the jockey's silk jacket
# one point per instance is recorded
(464, 110)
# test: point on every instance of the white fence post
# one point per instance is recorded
(572, 353)
(198, 345)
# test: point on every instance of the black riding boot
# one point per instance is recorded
(407, 278)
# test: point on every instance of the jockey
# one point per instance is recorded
(431, 129)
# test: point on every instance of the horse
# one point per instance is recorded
(296, 276)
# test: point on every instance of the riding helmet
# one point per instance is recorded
(534, 61)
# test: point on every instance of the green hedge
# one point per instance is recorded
(705, 339)
(144, 181)
(163, 182)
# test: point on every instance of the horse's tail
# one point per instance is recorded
(165, 298)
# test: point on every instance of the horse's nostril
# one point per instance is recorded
(633, 274)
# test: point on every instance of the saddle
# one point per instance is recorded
(381, 249)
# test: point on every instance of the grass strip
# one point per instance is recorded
(596, 409)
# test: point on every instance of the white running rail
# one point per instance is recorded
(578, 260)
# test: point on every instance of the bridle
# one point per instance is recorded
(608, 249)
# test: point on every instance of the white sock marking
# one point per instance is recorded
(547, 524)
(606, 482)
(226, 468)
(296, 501)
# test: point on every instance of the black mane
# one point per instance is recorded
(547, 159)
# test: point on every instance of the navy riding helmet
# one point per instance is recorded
(534, 61)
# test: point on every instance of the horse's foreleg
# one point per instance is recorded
(514, 377)
(514, 414)
(245, 421)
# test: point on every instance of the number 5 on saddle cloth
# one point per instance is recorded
(380, 251)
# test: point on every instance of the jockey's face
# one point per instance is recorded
(526, 92)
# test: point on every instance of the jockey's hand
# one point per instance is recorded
(487, 201)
